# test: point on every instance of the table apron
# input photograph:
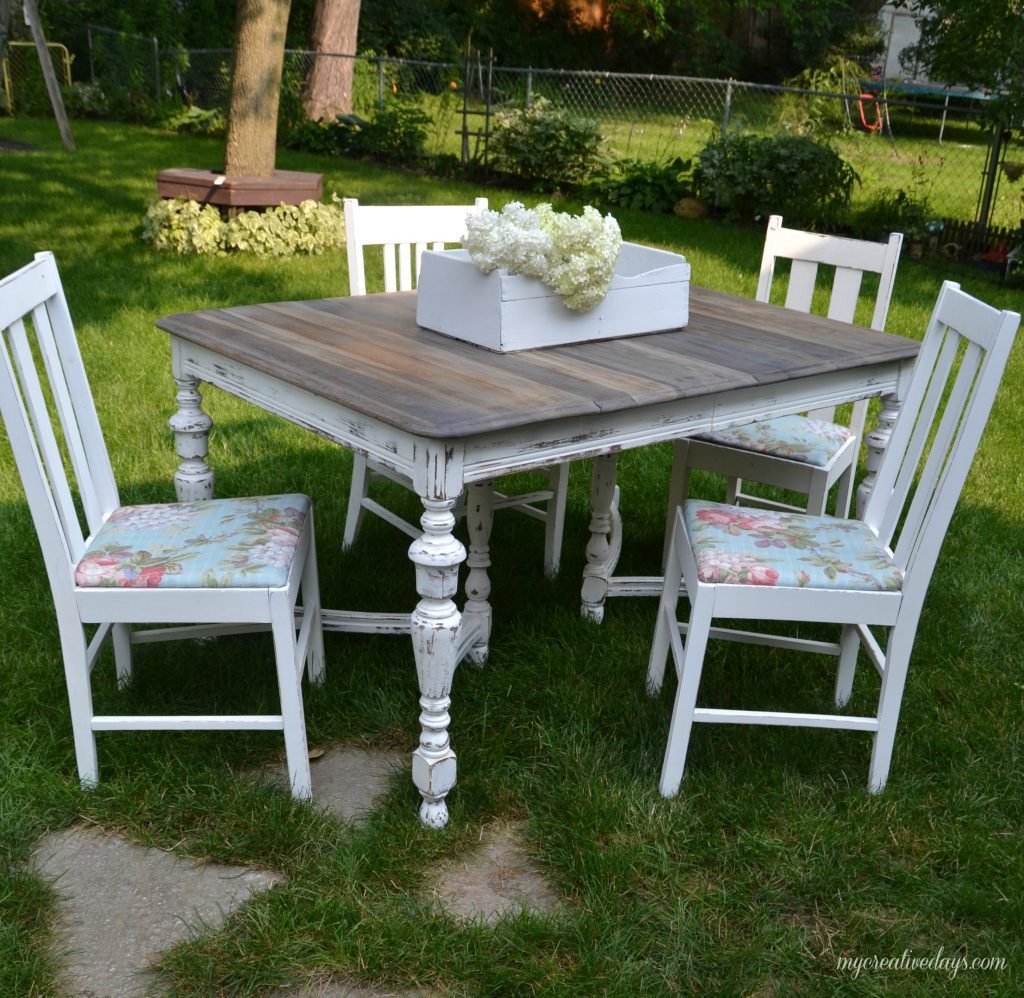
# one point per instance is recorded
(376, 440)
(489, 455)
(440, 468)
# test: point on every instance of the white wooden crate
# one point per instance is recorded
(650, 292)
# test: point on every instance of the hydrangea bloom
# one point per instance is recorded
(574, 255)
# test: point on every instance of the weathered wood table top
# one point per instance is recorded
(369, 354)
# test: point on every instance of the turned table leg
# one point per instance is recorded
(602, 553)
(436, 624)
(191, 426)
(477, 609)
(877, 440)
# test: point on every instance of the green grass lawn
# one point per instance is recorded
(773, 861)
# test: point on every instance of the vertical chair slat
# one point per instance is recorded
(404, 267)
(842, 305)
(801, 285)
(41, 440)
(943, 445)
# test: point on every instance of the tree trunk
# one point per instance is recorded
(329, 86)
(255, 87)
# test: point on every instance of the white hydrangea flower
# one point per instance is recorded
(574, 255)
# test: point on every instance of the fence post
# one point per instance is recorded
(487, 105)
(727, 111)
(465, 110)
(380, 83)
(991, 176)
(529, 86)
(92, 65)
(156, 65)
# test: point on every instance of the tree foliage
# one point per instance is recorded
(748, 39)
(974, 43)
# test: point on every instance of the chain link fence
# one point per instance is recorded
(935, 146)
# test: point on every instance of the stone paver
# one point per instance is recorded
(122, 904)
(497, 878)
(348, 781)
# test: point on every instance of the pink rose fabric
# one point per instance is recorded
(751, 547)
(216, 543)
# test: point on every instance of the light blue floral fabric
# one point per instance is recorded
(767, 548)
(796, 438)
(209, 544)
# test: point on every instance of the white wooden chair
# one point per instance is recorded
(222, 565)
(404, 232)
(812, 453)
(859, 573)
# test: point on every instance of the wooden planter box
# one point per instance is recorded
(212, 187)
(650, 292)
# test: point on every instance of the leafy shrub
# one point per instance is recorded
(85, 100)
(197, 121)
(397, 134)
(642, 184)
(189, 227)
(542, 143)
(183, 226)
(749, 178)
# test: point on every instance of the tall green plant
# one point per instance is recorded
(749, 178)
(542, 143)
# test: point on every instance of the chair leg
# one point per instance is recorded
(76, 676)
(849, 647)
(678, 485)
(686, 693)
(289, 681)
(356, 494)
(121, 636)
(666, 622)
(894, 678)
(554, 520)
(844, 491)
(733, 487)
(817, 496)
(310, 589)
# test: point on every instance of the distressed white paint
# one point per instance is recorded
(851, 258)
(440, 470)
(32, 301)
(919, 480)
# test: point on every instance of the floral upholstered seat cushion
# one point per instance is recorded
(796, 438)
(211, 544)
(766, 548)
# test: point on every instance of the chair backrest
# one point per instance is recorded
(403, 232)
(48, 411)
(851, 258)
(937, 432)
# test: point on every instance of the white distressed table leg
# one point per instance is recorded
(191, 426)
(479, 519)
(601, 553)
(876, 441)
(436, 623)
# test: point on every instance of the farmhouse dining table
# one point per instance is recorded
(451, 416)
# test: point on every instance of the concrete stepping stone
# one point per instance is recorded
(122, 904)
(348, 781)
(497, 878)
